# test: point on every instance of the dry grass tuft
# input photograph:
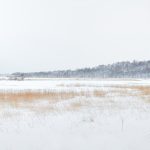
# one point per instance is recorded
(76, 105)
(144, 90)
(29, 98)
(98, 93)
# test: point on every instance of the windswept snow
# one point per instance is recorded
(116, 120)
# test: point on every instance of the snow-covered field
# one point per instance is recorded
(75, 114)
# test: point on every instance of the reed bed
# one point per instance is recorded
(29, 96)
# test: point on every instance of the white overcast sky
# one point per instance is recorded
(41, 35)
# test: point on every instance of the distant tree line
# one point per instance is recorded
(126, 69)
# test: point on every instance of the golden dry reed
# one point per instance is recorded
(47, 95)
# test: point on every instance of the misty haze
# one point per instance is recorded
(74, 75)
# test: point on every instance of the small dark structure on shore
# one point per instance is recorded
(16, 77)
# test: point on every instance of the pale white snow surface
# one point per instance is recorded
(111, 122)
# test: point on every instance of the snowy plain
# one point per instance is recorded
(114, 116)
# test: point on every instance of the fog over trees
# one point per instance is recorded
(126, 69)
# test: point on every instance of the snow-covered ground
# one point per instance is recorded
(118, 119)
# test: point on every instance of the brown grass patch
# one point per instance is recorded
(29, 98)
(98, 93)
(76, 105)
(144, 90)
